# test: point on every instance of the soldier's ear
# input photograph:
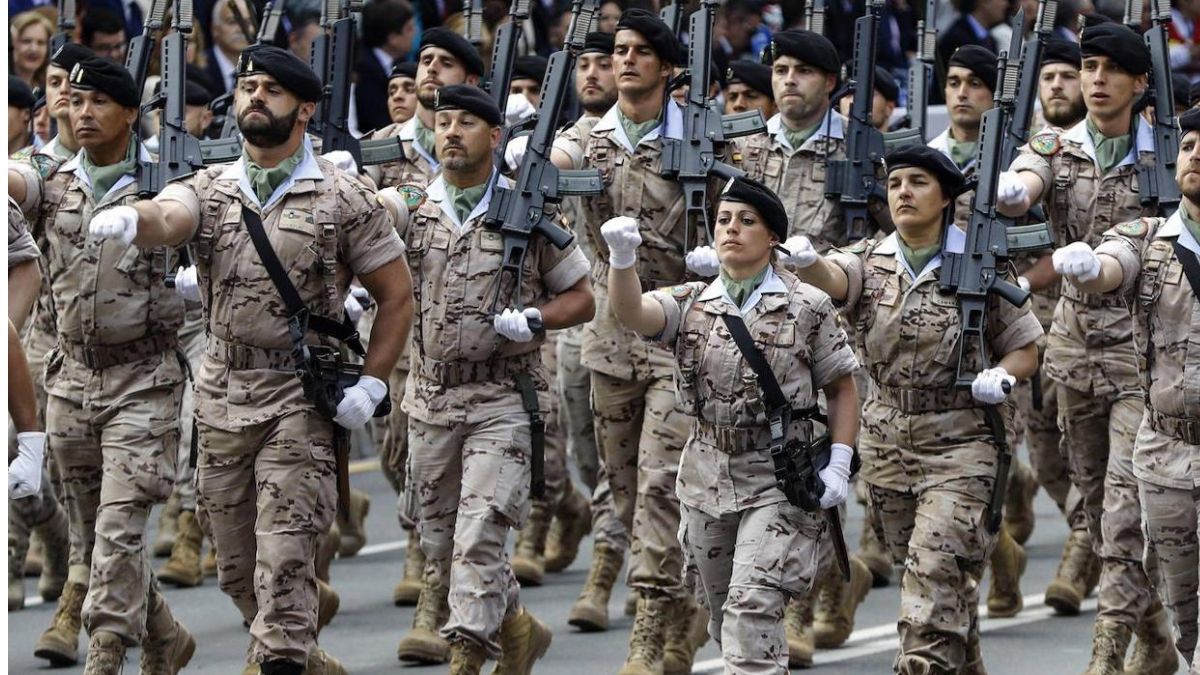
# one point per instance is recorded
(305, 111)
(472, 78)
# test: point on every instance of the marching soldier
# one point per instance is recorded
(1059, 90)
(402, 92)
(749, 88)
(267, 466)
(883, 103)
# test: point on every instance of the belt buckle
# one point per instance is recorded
(1191, 432)
(908, 400)
(90, 358)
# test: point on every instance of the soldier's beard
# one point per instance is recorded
(599, 104)
(1070, 116)
(270, 134)
(428, 101)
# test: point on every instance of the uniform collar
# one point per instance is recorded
(1173, 227)
(834, 127)
(436, 193)
(75, 166)
(672, 127)
(956, 240)
(941, 143)
(1079, 135)
(307, 169)
(771, 285)
(408, 132)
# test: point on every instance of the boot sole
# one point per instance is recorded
(56, 658)
(1062, 603)
(528, 578)
(180, 581)
(588, 621)
(407, 595)
(424, 655)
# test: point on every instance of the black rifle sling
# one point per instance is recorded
(772, 394)
(1191, 266)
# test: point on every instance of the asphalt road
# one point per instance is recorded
(365, 632)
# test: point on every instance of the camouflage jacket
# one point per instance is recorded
(417, 167)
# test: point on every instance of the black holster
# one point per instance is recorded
(537, 436)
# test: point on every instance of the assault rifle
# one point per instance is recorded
(504, 54)
(1156, 182)
(920, 73)
(692, 159)
(333, 112)
(1017, 132)
(473, 24)
(66, 25)
(814, 16)
(672, 15)
(137, 62)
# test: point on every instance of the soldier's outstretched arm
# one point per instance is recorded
(391, 287)
(1087, 270)
(842, 397)
(16, 187)
(165, 222)
(571, 307)
(1021, 363)
(641, 314)
(22, 403)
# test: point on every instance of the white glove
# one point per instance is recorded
(703, 261)
(622, 236)
(359, 402)
(25, 472)
(395, 205)
(186, 283)
(514, 152)
(518, 109)
(988, 386)
(1023, 282)
(836, 476)
(343, 160)
(1076, 260)
(514, 324)
(1010, 190)
(356, 302)
(119, 222)
(802, 254)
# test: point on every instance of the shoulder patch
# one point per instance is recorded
(413, 196)
(1133, 228)
(857, 247)
(680, 292)
(1045, 142)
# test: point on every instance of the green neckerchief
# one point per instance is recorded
(424, 137)
(636, 131)
(264, 181)
(740, 290)
(1109, 151)
(918, 258)
(104, 177)
(464, 200)
(1191, 225)
(962, 152)
(796, 138)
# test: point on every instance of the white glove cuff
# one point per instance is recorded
(840, 456)
(622, 260)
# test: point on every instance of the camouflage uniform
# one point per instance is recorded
(469, 435)
(113, 383)
(1168, 440)
(1091, 357)
(418, 166)
(751, 548)
(929, 490)
(266, 470)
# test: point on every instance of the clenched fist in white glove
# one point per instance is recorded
(1010, 190)
(25, 472)
(356, 302)
(836, 476)
(119, 222)
(343, 160)
(359, 402)
(800, 252)
(518, 109)
(514, 324)
(186, 283)
(514, 152)
(988, 386)
(622, 236)
(703, 261)
(1076, 260)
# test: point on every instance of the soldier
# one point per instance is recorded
(1156, 261)
(751, 548)
(267, 467)
(1059, 89)
(402, 92)
(749, 88)
(20, 116)
(528, 73)
(470, 434)
(883, 103)
(1086, 178)
(916, 472)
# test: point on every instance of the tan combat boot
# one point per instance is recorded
(408, 591)
(60, 643)
(686, 633)
(528, 561)
(875, 556)
(838, 602)
(572, 522)
(105, 654)
(1008, 564)
(423, 644)
(1109, 642)
(166, 652)
(56, 547)
(354, 525)
(648, 637)
(327, 548)
(523, 640)
(1154, 650)
(168, 527)
(590, 611)
(321, 663)
(328, 603)
(1070, 585)
(1018, 503)
(183, 568)
(798, 622)
(466, 658)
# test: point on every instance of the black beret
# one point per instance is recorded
(470, 98)
(754, 193)
(457, 45)
(885, 84)
(1181, 90)
(404, 69)
(19, 94)
(1119, 43)
(288, 70)
(979, 60)
(1189, 121)
(598, 42)
(933, 161)
(530, 67)
(69, 54)
(753, 75)
(197, 93)
(665, 43)
(1058, 50)
(812, 48)
(108, 77)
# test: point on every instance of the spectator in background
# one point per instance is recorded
(103, 31)
(973, 27)
(228, 43)
(129, 11)
(20, 115)
(610, 14)
(1184, 38)
(30, 35)
(304, 25)
(388, 32)
(740, 29)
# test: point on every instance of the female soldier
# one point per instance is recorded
(751, 548)
(929, 456)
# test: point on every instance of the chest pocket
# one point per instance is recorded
(944, 321)
(296, 242)
(67, 227)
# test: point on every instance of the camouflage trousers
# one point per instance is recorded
(555, 461)
(393, 452)
(1039, 429)
(117, 461)
(641, 436)
(574, 383)
(1098, 433)
(191, 342)
(745, 566)
(1172, 520)
(270, 490)
(24, 515)
(940, 535)
(472, 481)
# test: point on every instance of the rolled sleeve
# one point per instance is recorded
(570, 141)
(567, 271)
(1128, 255)
(21, 247)
(855, 268)
(1014, 327)
(369, 241)
(1028, 160)
(672, 312)
(33, 184)
(832, 356)
(183, 193)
